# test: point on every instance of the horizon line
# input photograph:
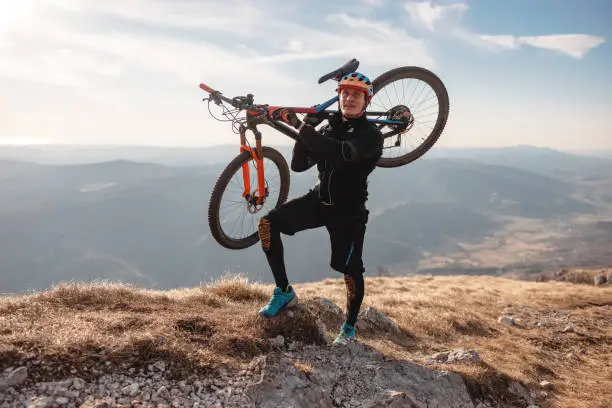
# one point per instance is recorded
(30, 143)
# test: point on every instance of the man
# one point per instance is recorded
(345, 152)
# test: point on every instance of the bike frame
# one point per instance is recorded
(261, 115)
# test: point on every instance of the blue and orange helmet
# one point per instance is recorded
(359, 81)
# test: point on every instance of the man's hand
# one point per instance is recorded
(288, 116)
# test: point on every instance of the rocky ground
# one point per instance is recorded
(546, 352)
(294, 376)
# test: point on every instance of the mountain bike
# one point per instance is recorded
(399, 121)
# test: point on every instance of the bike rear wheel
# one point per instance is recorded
(426, 101)
(225, 228)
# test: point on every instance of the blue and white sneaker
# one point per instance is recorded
(346, 335)
(280, 299)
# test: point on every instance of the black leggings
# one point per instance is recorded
(346, 228)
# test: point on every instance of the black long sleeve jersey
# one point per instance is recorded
(345, 152)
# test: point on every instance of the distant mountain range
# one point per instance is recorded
(534, 158)
(139, 214)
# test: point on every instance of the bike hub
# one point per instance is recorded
(401, 113)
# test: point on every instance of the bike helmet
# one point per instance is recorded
(357, 81)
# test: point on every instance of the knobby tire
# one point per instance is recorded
(443, 105)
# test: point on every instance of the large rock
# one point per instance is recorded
(371, 319)
(14, 378)
(599, 279)
(282, 384)
(456, 356)
(328, 306)
(353, 376)
(390, 399)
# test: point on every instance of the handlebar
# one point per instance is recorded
(238, 102)
(246, 103)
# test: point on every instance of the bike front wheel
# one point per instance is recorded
(415, 93)
(232, 217)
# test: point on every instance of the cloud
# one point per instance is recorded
(375, 43)
(230, 16)
(12, 13)
(77, 42)
(446, 19)
(79, 48)
(133, 68)
(502, 41)
(574, 45)
(430, 15)
(67, 59)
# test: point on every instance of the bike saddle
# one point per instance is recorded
(347, 68)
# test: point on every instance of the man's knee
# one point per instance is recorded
(351, 269)
(349, 263)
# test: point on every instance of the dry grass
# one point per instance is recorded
(200, 329)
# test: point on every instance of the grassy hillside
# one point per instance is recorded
(112, 326)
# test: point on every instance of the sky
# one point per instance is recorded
(127, 72)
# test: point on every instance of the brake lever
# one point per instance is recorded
(216, 97)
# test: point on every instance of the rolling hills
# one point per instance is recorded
(145, 222)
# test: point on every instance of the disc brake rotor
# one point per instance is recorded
(253, 207)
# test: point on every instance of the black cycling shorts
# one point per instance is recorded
(346, 228)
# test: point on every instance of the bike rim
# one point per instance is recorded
(424, 104)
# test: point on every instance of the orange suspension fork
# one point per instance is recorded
(246, 173)
(261, 197)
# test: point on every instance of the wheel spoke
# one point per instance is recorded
(421, 93)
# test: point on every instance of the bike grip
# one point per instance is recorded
(206, 88)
